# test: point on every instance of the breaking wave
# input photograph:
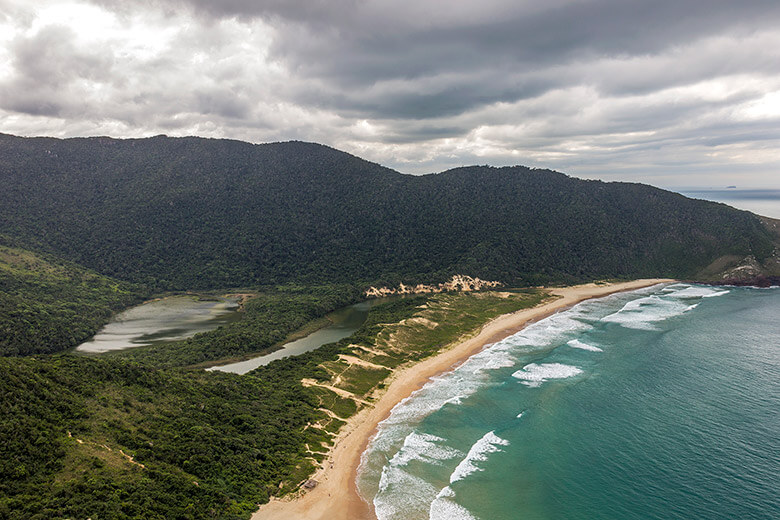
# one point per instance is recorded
(424, 447)
(489, 443)
(535, 374)
(575, 343)
(445, 508)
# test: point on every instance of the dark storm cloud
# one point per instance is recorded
(568, 84)
(352, 42)
(399, 67)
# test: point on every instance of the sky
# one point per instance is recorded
(677, 94)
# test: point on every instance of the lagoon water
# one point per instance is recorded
(160, 321)
(662, 403)
(343, 322)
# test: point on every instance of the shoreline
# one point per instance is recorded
(336, 496)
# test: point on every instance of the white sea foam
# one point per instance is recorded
(575, 343)
(549, 330)
(402, 495)
(492, 359)
(698, 292)
(489, 443)
(643, 313)
(423, 447)
(445, 508)
(675, 287)
(535, 374)
(452, 388)
(458, 399)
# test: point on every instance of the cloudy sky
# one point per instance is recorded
(673, 93)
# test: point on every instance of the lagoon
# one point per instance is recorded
(160, 321)
(344, 322)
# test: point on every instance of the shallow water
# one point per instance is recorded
(344, 322)
(659, 403)
(169, 319)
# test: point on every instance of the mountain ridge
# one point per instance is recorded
(195, 212)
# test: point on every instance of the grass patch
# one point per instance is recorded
(361, 380)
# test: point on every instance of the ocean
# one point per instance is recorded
(662, 403)
(761, 202)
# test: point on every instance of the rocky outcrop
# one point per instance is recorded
(750, 272)
(747, 268)
(458, 282)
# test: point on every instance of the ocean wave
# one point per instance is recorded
(444, 508)
(398, 443)
(492, 359)
(423, 447)
(458, 399)
(470, 376)
(698, 292)
(643, 313)
(402, 495)
(675, 287)
(575, 343)
(489, 443)
(455, 387)
(535, 374)
(551, 329)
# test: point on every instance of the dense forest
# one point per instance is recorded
(186, 213)
(193, 444)
(48, 305)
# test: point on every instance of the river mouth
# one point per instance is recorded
(162, 321)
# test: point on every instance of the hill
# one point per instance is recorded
(47, 304)
(182, 213)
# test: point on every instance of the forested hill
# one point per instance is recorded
(193, 213)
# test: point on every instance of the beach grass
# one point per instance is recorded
(400, 333)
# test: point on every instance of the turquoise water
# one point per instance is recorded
(662, 403)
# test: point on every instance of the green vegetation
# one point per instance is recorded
(270, 316)
(398, 332)
(193, 444)
(48, 305)
(191, 213)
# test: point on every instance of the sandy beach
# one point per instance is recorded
(336, 496)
